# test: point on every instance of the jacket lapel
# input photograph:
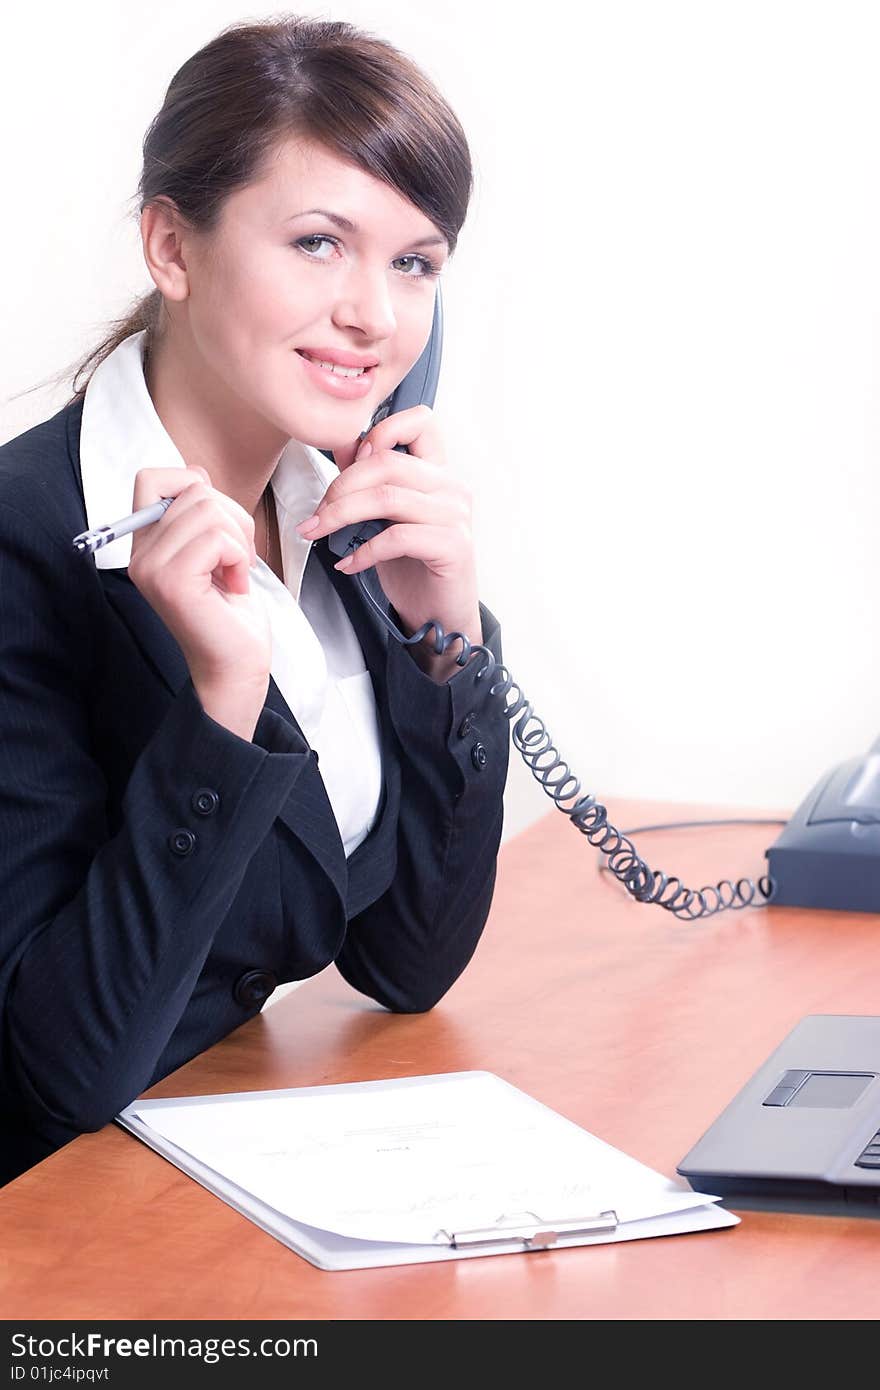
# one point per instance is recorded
(158, 646)
(163, 653)
(152, 636)
(307, 813)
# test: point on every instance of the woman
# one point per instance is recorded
(170, 850)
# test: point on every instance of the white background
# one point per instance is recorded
(660, 372)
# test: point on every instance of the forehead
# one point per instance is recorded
(299, 174)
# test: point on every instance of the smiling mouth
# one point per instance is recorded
(333, 367)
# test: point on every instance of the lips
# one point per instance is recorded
(339, 382)
(338, 357)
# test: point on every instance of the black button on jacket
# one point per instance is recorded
(150, 858)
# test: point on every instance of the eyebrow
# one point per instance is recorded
(346, 226)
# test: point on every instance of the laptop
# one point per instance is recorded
(804, 1133)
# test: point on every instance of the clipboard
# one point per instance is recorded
(533, 1234)
(542, 1229)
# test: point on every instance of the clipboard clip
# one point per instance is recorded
(536, 1234)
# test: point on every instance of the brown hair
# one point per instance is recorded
(229, 104)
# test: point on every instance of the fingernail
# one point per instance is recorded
(345, 563)
(364, 451)
(309, 524)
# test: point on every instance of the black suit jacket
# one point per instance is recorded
(160, 875)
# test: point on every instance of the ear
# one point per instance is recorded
(162, 232)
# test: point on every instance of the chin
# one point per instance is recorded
(313, 432)
(332, 440)
(328, 443)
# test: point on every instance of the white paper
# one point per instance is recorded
(412, 1162)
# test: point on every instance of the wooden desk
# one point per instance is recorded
(637, 1026)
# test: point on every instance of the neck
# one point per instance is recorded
(212, 427)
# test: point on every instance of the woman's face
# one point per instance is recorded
(274, 279)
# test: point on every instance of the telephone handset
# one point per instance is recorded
(418, 387)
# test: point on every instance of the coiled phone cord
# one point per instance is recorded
(591, 818)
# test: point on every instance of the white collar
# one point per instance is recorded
(122, 433)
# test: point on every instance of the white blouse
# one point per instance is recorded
(317, 661)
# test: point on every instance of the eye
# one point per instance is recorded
(304, 240)
(427, 270)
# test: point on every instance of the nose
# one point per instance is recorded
(365, 304)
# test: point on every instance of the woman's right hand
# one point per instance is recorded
(192, 567)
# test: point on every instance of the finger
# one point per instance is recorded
(442, 548)
(392, 503)
(215, 556)
(389, 467)
(197, 514)
(194, 496)
(196, 493)
(417, 428)
(152, 483)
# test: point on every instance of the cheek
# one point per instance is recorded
(241, 288)
(414, 332)
(256, 297)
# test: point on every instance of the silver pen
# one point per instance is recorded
(90, 541)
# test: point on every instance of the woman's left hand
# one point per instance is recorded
(425, 559)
